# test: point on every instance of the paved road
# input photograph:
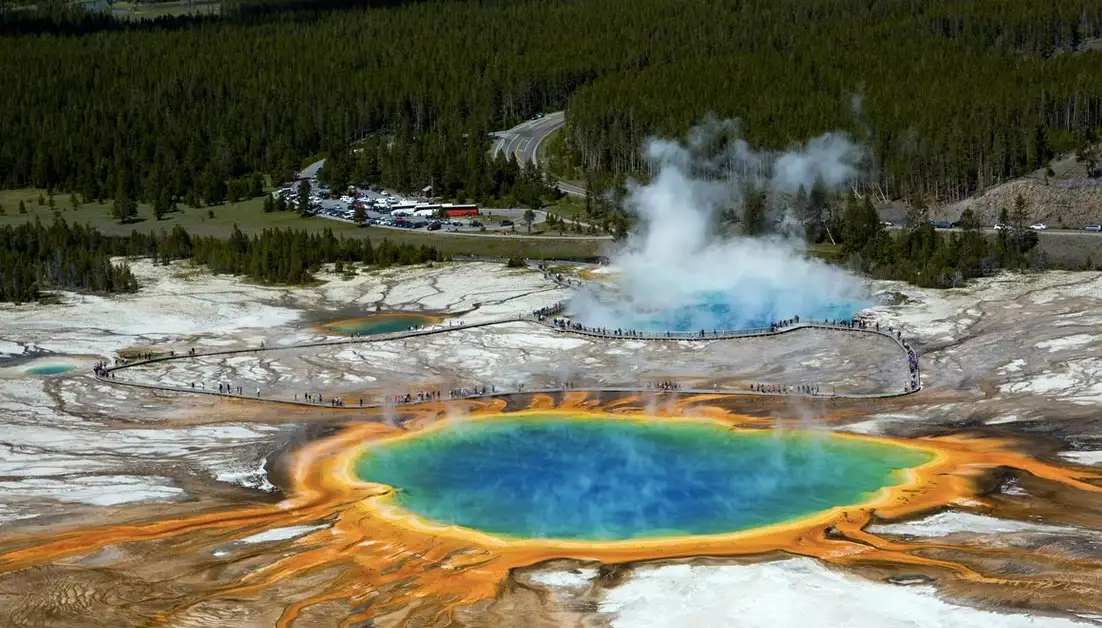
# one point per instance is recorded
(1045, 232)
(570, 188)
(311, 171)
(523, 143)
(523, 140)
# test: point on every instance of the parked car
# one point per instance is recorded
(887, 223)
(434, 226)
(475, 223)
(1040, 226)
(941, 224)
(506, 223)
(1002, 227)
(1093, 227)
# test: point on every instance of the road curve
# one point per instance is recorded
(311, 171)
(523, 141)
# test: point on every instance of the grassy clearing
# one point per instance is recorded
(149, 11)
(830, 253)
(249, 216)
(563, 269)
(495, 247)
(571, 207)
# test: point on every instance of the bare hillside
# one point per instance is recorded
(1065, 204)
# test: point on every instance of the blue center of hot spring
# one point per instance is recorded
(718, 311)
(52, 369)
(380, 324)
(725, 312)
(609, 479)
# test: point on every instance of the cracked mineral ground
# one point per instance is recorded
(145, 500)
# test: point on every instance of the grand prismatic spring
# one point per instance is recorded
(507, 470)
(597, 478)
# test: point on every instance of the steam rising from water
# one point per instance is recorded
(678, 270)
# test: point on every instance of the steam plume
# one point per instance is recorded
(679, 269)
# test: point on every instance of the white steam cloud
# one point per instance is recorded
(680, 268)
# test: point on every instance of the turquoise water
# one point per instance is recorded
(722, 311)
(716, 311)
(53, 369)
(607, 479)
(380, 324)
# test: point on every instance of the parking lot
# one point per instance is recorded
(384, 209)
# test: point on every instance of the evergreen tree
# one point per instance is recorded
(211, 110)
(304, 197)
(753, 213)
(1024, 237)
(124, 208)
(1020, 216)
(1088, 155)
(862, 228)
(968, 220)
(161, 205)
(918, 215)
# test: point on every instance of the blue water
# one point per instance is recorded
(711, 310)
(718, 311)
(609, 479)
(53, 369)
(380, 324)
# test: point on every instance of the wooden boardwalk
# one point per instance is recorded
(440, 329)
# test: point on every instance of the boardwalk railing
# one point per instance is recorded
(437, 329)
(375, 404)
(546, 317)
(396, 335)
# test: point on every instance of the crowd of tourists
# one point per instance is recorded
(102, 369)
(424, 395)
(912, 363)
(474, 391)
(318, 398)
(558, 278)
(551, 310)
(785, 389)
(788, 322)
(434, 395)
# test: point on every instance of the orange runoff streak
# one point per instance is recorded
(393, 559)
